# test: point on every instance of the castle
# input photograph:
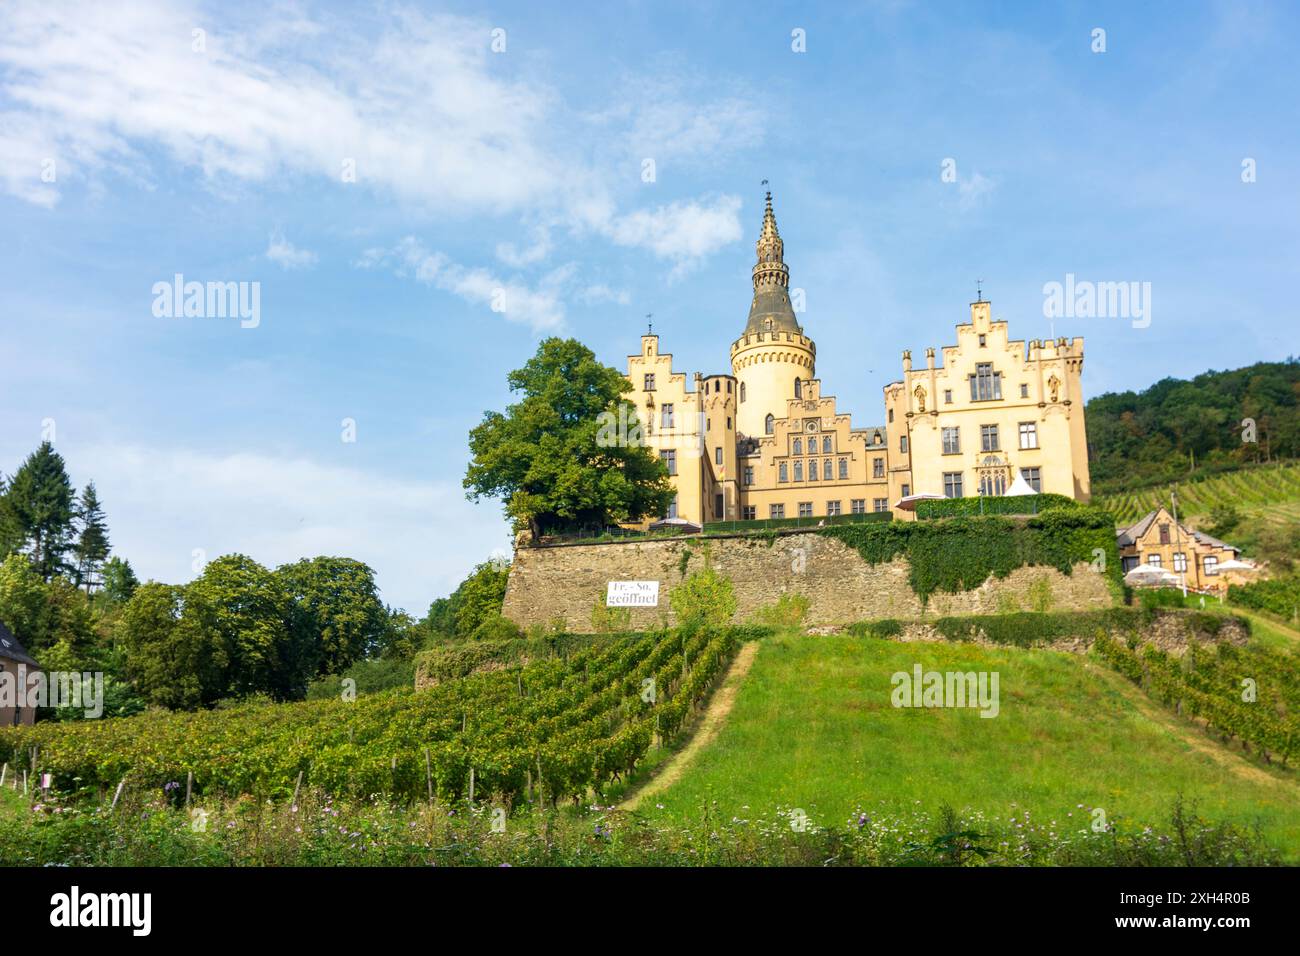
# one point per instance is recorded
(764, 442)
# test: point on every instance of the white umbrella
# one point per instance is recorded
(1150, 574)
(1235, 565)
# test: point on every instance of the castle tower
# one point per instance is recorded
(773, 358)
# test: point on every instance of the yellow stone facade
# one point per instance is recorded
(990, 412)
(763, 442)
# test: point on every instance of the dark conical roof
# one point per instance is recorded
(770, 310)
(11, 648)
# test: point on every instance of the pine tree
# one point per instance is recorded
(42, 503)
(92, 542)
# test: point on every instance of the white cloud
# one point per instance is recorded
(288, 256)
(540, 307)
(419, 111)
(420, 537)
(422, 113)
(682, 232)
(974, 189)
(599, 294)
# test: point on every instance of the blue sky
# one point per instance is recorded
(221, 156)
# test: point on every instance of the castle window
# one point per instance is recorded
(718, 506)
(669, 455)
(858, 506)
(907, 490)
(666, 418)
(649, 381)
(832, 508)
(983, 341)
(783, 472)
(748, 513)
(1033, 477)
(1028, 435)
(1024, 390)
(844, 469)
(728, 386)
(798, 471)
(728, 423)
(776, 511)
(672, 508)
(1164, 533)
(952, 484)
(989, 438)
(798, 389)
(826, 469)
(891, 414)
(985, 384)
(877, 468)
(742, 391)
(812, 470)
(805, 509)
(952, 441)
(879, 504)
(717, 455)
(749, 474)
(902, 444)
(797, 447)
(947, 396)
(1155, 560)
(769, 424)
(826, 444)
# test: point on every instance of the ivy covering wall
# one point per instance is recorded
(959, 554)
(993, 505)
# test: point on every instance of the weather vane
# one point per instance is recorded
(979, 293)
(650, 326)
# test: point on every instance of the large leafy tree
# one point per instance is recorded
(22, 600)
(480, 596)
(339, 615)
(542, 457)
(248, 611)
(92, 540)
(41, 505)
(173, 662)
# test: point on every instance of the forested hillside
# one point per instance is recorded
(1177, 428)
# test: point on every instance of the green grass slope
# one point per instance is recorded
(813, 728)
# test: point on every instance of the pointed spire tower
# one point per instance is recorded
(770, 309)
(772, 358)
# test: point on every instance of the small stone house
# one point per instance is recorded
(16, 671)
(1156, 539)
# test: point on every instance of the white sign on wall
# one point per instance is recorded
(632, 594)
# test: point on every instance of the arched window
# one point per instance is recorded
(770, 424)
(798, 389)
(742, 391)
(798, 447)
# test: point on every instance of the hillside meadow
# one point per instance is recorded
(813, 729)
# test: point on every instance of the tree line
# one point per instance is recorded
(1217, 421)
(237, 630)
